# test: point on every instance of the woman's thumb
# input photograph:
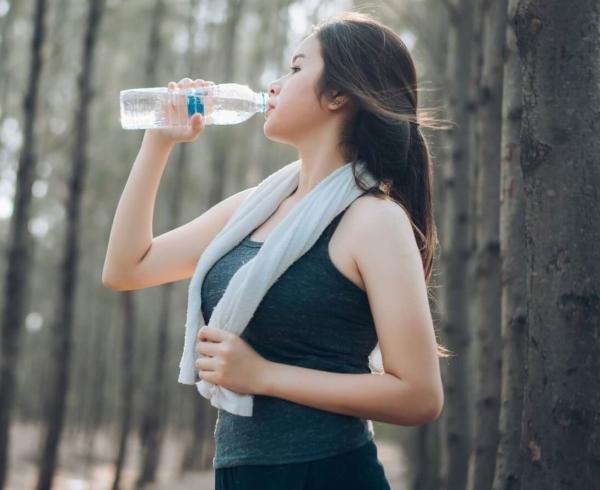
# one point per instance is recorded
(197, 122)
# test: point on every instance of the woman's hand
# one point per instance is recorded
(230, 361)
(187, 128)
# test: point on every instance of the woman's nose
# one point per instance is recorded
(272, 89)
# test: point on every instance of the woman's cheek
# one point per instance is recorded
(293, 120)
(280, 123)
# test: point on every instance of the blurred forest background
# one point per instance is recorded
(89, 397)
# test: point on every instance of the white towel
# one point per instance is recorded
(288, 241)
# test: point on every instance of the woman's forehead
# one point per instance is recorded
(308, 48)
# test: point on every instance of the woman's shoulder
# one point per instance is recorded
(371, 210)
(370, 217)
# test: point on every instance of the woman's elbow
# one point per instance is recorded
(435, 407)
(431, 403)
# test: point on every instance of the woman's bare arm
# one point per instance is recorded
(134, 258)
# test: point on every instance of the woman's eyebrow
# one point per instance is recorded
(298, 56)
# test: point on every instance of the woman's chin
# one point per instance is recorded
(272, 135)
(267, 128)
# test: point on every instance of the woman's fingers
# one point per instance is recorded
(197, 122)
(172, 86)
(179, 110)
(184, 82)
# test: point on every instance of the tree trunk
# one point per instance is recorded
(222, 139)
(454, 329)
(128, 384)
(63, 319)
(514, 270)
(20, 244)
(154, 410)
(6, 50)
(487, 273)
(476, 59)
(559, 48)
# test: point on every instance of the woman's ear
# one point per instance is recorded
(337, 101)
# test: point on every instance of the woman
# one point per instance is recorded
(350, 94)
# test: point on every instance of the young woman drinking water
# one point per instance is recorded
(350, 96)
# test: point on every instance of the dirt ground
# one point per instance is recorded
(88, 464)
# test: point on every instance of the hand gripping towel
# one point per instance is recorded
(287, 242)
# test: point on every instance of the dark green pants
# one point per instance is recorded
(358, 469)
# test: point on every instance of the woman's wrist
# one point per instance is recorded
(154, 137)
(265, 379)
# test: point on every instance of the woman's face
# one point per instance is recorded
(297, 114)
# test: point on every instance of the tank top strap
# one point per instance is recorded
(330, 228)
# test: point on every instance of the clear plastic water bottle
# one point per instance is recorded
(157, 107)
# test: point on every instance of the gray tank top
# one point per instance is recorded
(313, 316)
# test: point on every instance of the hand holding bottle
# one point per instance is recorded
(188, 128)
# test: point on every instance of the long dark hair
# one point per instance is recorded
(367, 62)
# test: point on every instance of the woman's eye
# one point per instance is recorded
(294, 68)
